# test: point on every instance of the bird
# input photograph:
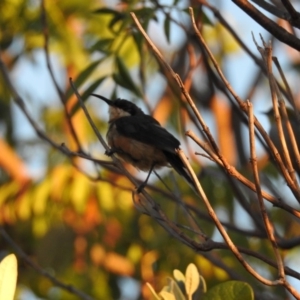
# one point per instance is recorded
(140, 140)
(274, 136)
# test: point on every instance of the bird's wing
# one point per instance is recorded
(147, 130)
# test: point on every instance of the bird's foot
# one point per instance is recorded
(110, 152)
(141, 187)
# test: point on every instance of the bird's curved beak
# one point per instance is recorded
(109, 102)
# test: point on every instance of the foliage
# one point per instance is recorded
(192, 286)
(71, 214)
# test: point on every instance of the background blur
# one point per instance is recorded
(75, 218)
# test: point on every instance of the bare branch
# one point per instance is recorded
(21, 254)
(279, 32)
(268, 225)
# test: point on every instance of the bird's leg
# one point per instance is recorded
(142, 185)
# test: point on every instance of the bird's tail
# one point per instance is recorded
(177, 164)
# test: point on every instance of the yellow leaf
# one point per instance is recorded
(178, 275)
(135, 253)
(105, 195)
(192, 280)
(167, 296)
(40, 196)
(59, 179)
(218, 37)
(8, 277)
(39, 226)
(79, 191)
(24, 206)
(152, 291)
(7, 190)
(12, 163)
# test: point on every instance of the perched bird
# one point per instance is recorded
(273, 133)
(140, 140)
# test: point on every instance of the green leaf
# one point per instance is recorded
(192, 280)
(102, 45)
(87, 93)
(114, 21)
(146, 14)
(8, 277)
(107, 10)
(124, 79)
(167, 23)
(83, 76)
(230, 290)
(139, 40)
(206, 20)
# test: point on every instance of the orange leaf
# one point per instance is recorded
(118, 264)
(163, 110)
(222, 112)
(12, 163)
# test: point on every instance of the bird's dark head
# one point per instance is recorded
(120, 108)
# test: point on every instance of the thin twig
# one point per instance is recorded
(295, 16)
(49, 66)
(244, 108)
(268, 225)
(21, 254)
(221, 229)
(291, 133)
(287, 86)
(234, 173)
(177, 80)
(266, 54)
(276, 30)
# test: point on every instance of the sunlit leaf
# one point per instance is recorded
(59, 178)
(135, 253)
(39, 226)
(180, 279)
(79, 191)
(12, 163)
(8, 191)
(8, 277)
(153, 291)
(192, 280)
(23, 206)
(40, 196)
(105, 196)
(167, 296)
(118, 264)
(175, 289)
